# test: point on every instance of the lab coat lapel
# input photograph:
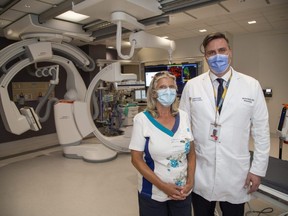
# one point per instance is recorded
(208, 88)
(233, 87)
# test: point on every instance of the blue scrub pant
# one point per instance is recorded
(150, 207)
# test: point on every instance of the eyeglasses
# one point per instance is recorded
(158, 76)
(165, 87)
(162, 73)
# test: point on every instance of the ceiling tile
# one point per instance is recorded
(31, 6)
(194, 26)
(238, 6)
(280, 25)
(230, 27)
(208, 11)
(180, 18)
(245, 15)
(12, 15)
(221, 19)
(259, 28)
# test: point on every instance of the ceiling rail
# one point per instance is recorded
(177, 6)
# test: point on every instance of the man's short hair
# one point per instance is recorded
(211, 37)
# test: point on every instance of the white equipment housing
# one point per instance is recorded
(72, 125)
(71, 119)
(39, 40)
(31, 117)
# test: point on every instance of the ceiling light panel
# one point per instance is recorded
(72, 16)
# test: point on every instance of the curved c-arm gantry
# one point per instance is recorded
(30, 51)
(24, 53)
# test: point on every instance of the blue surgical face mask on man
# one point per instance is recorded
(218, 63)
(166, 96)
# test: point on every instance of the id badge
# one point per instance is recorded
(214, 133)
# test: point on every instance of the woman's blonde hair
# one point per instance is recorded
(152, 94)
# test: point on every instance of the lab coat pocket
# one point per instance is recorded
(238, 167)
(246, 105)
(244, 164)
(242, 115)
(197, 103)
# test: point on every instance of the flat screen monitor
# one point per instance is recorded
(150, 71)
(176, 70)
(148, 78)
(189, 71)
(183, 72)
(140, 95)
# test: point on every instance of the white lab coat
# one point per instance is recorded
(222, 166)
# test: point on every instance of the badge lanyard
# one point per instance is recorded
(222, 97)
(214, 132)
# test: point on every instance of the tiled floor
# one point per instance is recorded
(47, 184)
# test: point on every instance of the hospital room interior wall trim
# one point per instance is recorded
(24, 146)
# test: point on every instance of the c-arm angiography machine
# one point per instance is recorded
(83, 111)
(35, 50)
(80, 112)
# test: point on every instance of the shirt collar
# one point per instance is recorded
(225, 77)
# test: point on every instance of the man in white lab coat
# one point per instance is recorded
(224, 113)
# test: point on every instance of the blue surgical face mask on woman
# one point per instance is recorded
(218, 63)
(166, 96)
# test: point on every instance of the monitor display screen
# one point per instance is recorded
(183, 72)
(189, 71)
(176, 70)
(150, 71)
(148, 77)
(140, 95)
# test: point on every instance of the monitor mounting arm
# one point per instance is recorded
(138, 39)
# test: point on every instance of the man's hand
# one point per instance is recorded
(252, 182)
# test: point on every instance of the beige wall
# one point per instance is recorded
(263, 56)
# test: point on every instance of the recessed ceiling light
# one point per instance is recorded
(202, 30)
(252, 22)
(72, 16)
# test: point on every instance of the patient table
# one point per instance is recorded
(274, 187)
